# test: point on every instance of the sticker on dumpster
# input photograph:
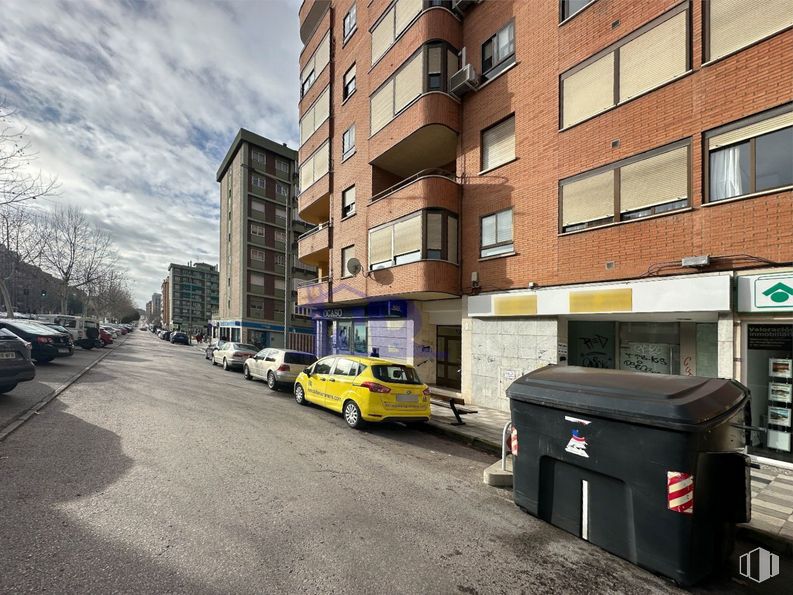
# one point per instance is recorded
(577, 444)
(680, 492)
(577, 420)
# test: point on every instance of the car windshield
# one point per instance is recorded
(396, 373)
(303, 359)
(242, 347)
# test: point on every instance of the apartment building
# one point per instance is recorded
(500, 185)
(156, 307)
(165, 304)
(192, 295)
(259, 227)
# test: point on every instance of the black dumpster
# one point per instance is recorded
(646, 466)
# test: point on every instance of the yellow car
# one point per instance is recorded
(365, 389)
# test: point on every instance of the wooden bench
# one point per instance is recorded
(452, 403)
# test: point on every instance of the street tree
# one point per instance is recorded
(20, 236)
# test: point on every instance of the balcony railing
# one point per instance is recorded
(425, 173)
(310, 282)
(316, 229)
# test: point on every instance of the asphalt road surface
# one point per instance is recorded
(157, 472)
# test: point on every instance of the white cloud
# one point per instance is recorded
(133, 104)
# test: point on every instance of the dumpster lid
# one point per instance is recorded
(679, 402)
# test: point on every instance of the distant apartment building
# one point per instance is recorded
(165, 309)
(259, 227)
(502, 185)
(192, 296)
(156, 304)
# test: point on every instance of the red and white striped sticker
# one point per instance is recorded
(680, 492)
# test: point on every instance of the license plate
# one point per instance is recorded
(8, 355)
(407, 398)
(62, 350)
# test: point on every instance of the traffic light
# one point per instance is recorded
(43, 293)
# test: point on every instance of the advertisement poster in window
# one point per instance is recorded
(343, 336)
(359, 339)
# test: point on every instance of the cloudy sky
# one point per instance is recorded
(132, 105)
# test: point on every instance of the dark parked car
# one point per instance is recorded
(165, 335)
(15, 364)
(46, 343)
(61, 329)
(212, 347)
(180, 337)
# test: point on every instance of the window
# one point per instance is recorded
(280, 260)
(348, 202)
(282, 166)
(498, 52)
(570, 7)
(395, 20)
(648, 184)
(258, 157)
(281, 189)
(257, 206)
(257, 279)
(349, 83)
(496, 234)
(257, 230)
(258, 181)
(257, 254)
(315, 116)
(280, 215)
(347, 254)
(751, 156)
(498, 144)
(315, 65)
(648, 58)
(316, 166)
(280, 285)
(733, 24)
(280, 237)
(348, 142)
(426, 235)
(350, 20)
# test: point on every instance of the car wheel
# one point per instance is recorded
(44, 360)
(246, 373)
(271, 383)
(7, 388)
(225, 364)
(214, 363)
(300, 395)
(352, 415)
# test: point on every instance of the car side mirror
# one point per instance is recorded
(307, 372)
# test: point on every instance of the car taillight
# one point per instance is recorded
(43, 340)
(427, 392)
(512, 442)
(375, 387)
(283, 368)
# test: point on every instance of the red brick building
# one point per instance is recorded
(594, 182)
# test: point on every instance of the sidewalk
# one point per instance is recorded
(772, 487)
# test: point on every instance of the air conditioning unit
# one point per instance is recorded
(464, 80)
(463, 5)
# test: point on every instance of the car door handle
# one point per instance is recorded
(331, 380)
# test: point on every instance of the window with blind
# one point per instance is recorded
(498, 144)
(347, 254)
(395, 20)
(496, 234)
(350, 21)
(348, 87)
(315, 65)
(640, 186)
(257, 205)
(348, 202)
(652, 56)
(734, 24)
(316, 166)
(426, 235)
(498, 52)
(348, 142)
(753, 155)
(315, 116)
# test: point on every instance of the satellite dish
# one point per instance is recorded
(354, 266)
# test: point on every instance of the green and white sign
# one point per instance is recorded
(764, 293)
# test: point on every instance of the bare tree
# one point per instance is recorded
(20, 239)
(110, 295)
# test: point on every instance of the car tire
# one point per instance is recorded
(5, 388)
(225, 364)
(212, 359)
(300, 395)
(271, 382)
(246, 373)
(352, 415)
(43, 360)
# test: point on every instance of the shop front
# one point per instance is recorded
(375, 328)
(262, 334)
(765, 308)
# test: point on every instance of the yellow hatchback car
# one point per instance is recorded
(365, 389)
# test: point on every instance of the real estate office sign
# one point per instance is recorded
(766, 293)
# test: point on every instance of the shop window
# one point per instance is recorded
(496, 234)
(734, 24)
(498, 52)
(359, 340)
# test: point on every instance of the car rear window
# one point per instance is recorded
(396, 373)
(244, 347)
(32, 327)
(303, 359)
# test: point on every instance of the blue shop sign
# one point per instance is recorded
(387, 309)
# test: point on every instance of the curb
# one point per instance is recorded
(776, 543)
(18, 421)
(482, 444)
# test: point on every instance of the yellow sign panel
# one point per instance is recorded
(606, 300)
(515, 305)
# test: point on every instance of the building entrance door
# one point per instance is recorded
(450, 350)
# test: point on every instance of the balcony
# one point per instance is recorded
(423, 135)
(310, 14)
(314, 292)
(429, 188)
(313, 203)
(420, 280)
(312, 246)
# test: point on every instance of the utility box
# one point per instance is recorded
(649, 467)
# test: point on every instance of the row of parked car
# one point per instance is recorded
(362, 389)
(172, 336)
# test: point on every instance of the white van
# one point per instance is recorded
(84, 331)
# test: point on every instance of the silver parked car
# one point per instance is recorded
(277, 366)
(233, 355)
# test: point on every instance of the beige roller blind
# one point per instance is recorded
(434, 231)
(321, 161)
(322, 108)
(383, 35)
(735, 136)
(307, 68)
(349, 75)
(407, 235)
(406, 10)
(380, 245)
(307, 174)
(737, 23)
(588, 91)
(306, 126)
(452, 226)
(348, 197)
(498, 144)
(654, 58)
(588, 199)
(382, 106)
(434, 56)
(408, 83)
(654, 181)
(322, 54)
(454, 63)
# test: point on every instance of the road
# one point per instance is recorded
(157, 472)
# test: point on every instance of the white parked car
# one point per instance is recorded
(233, 355)
(277, 366)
